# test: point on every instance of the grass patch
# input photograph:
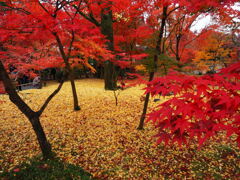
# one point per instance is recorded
(39, 169)
(221, 162)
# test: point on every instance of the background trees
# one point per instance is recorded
(109, 16)
(214, 53)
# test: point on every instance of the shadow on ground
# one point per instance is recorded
(39, 169)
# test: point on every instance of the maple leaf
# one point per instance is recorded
(207, 109)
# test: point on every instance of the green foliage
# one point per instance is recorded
(2, 3)
(46, 169)
(164, 63)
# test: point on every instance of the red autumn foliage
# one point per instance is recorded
(29, 41)
(200, 108)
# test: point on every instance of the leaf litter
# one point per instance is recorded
(103, 140)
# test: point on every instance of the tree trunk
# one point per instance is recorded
(102, 72)
(178, 39)
(41, 137)
(143, 116)
(74, 92)
(106, 26)
(69, 69)
(110, 79)
(159, 50)
(177, 48)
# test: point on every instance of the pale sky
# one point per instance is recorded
(201, 23)
(204, 21)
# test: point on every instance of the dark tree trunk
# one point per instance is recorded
(41, 137)
(102, 72)
(145, 106)
(178, 38)
(110, 78)
(159, 50)
(74, 92)
(13, 96)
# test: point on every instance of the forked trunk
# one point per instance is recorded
(32, 116)
(69, 69)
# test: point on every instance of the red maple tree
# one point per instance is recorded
(200, 107)
(45, 33)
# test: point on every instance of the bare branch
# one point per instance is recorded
(61, 49)
(89, 17)
(43, 7)
(13, 8)
(172, 10)
(50, 98)
(60, 46)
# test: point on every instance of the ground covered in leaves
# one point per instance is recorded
(103, 140)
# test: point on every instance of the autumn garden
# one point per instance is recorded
(119, 89)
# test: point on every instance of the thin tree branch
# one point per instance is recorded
(172, 10)
(60, 46)
(13, 8)
(91, 19)
(43, 7)
(191, 41)
(50, 98)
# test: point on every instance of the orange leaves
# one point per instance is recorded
(85, 49)
(93, 70)
(140, 68)
(214, 52)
